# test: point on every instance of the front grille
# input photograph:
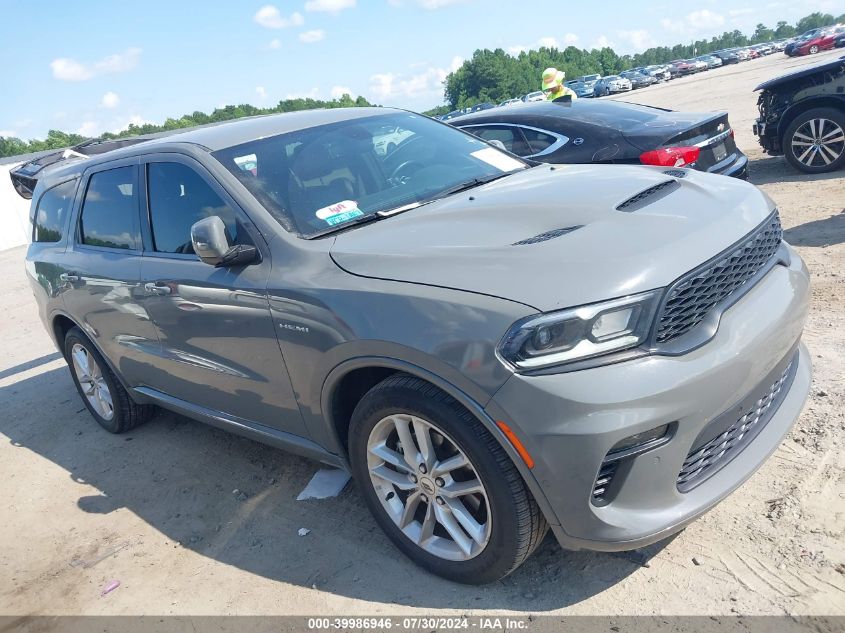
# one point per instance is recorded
(706, 460)
(692, 297)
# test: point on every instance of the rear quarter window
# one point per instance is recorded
(52, 211)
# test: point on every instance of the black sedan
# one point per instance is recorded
(591, 131)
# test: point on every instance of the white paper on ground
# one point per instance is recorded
(326, 482)
(497, 159)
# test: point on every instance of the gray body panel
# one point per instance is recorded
(431, 292)
(612, 253)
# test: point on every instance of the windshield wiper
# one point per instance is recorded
(470, 184)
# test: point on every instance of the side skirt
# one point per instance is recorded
(258, 432)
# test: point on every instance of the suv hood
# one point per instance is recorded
(468, 241)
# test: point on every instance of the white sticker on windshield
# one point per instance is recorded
(497, 159)
(339, 212)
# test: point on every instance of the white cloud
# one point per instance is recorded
(70, 70)
(338, 91)
(602, 42)
(270, 17)
(275, 43)
(309, 37)
(89, 128)
(694, 23)
(517, 49)
(261, 91)
(569, 39)
(314, 93)
(735, 12)
(329, 6)
(8, 133)
(110, 100)
(433, 5)
(92, 127)
(429, 82)
(66, 69)
(638, 40)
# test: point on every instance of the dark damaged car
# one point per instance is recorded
(802, 117)
(612, 132)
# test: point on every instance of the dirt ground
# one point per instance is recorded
(155, 509)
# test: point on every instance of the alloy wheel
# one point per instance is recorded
(90, 378)
(818, 142)
(428, 487)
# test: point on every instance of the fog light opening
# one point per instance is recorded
(639, 442)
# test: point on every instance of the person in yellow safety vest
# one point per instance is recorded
(553, 85)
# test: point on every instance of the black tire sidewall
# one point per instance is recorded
(497, 558)
(115, 425)
(828, 113)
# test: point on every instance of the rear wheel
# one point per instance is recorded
(439, 485)
(814, 49)
(815, 141)
(101, 391)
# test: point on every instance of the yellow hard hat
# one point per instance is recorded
(552, 77)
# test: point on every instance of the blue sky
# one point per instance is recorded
(99, 65)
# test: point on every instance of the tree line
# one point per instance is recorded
(489, 76)
(11, 146)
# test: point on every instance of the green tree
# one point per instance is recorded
(814, 21)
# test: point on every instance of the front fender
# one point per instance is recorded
(436, 378)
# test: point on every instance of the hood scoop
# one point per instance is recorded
(676, 173)
(548, 235)
(648, 196)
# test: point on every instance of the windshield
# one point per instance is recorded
(324, 178)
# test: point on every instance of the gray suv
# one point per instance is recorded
(491, 348)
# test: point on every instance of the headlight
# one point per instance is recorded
(579, 333)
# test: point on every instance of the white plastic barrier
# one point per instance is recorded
(14, 213)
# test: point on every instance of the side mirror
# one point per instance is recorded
(211, 244)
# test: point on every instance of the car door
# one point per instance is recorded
(218, 344)
(101, 270)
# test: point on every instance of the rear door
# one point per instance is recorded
(101, 270)
(219, 348)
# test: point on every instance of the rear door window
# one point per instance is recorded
(110, 210)
(509, 136)
(53, 208)
(539, 141)
(179, 197)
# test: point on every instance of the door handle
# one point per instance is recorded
(69, 277)
(156, 289)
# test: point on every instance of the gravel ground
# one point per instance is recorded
(192, 520)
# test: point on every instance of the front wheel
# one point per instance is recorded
(439, 484)
(814, 49)
(815, 141)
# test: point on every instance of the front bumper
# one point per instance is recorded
(766, 134)
(568, 422)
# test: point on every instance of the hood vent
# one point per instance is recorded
(676, 173)
(548, 235)
(648, 196)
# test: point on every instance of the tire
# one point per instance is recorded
(103, 386)
(512, 521)
(813, 49)
(801, 128)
